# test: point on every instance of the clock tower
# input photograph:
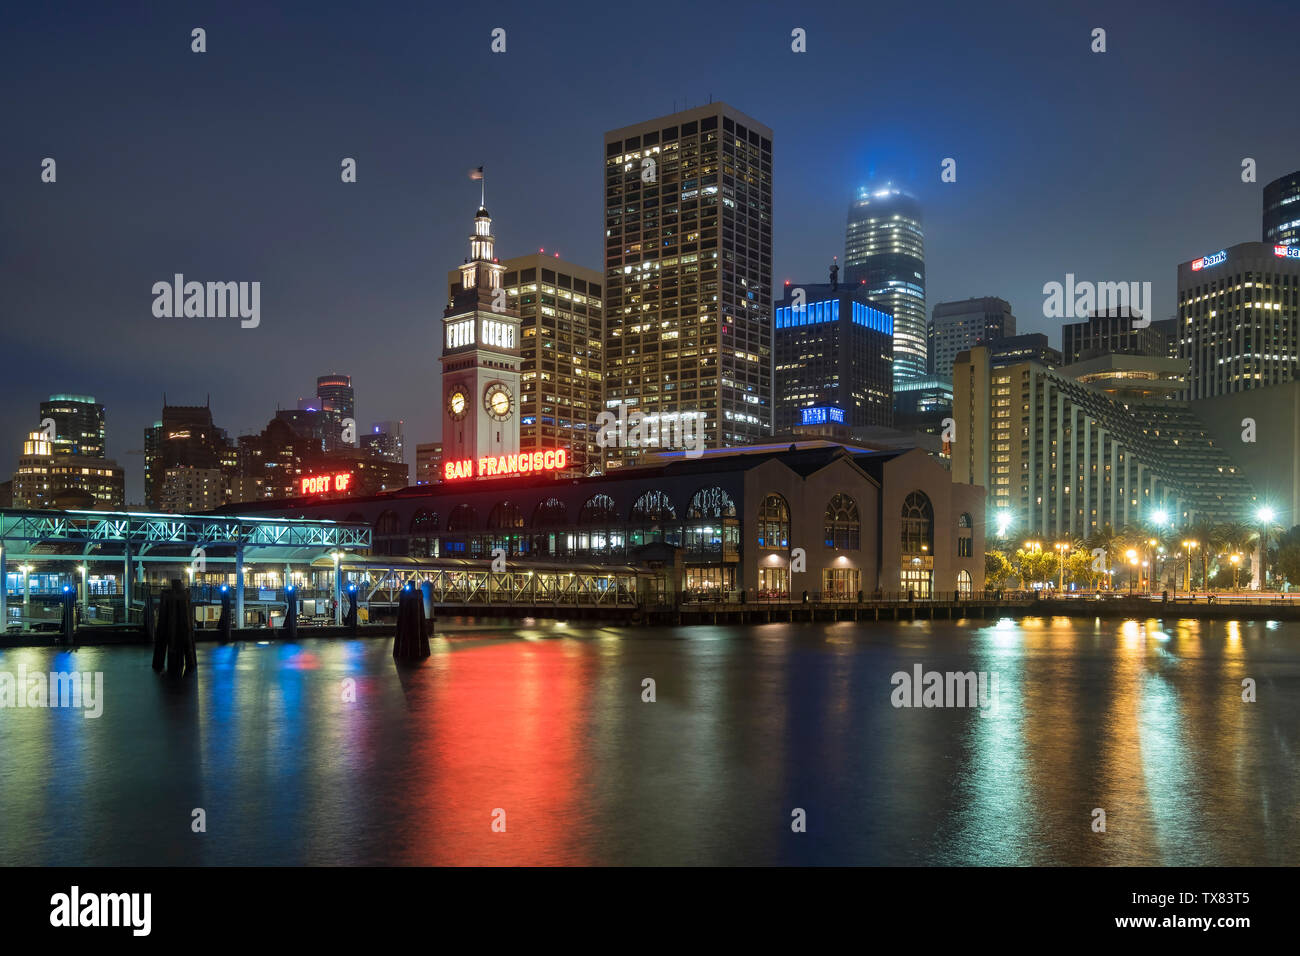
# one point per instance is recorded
(480, 357)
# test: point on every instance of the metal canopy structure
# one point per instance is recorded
(130, 536)
(470, 582)
(87, 527)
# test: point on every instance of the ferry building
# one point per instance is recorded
(760, 522)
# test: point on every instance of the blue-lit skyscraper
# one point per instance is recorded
(834, 351)
(884, 253)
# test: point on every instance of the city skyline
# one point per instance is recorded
(354, 272)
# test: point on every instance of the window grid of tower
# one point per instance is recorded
(562, 373)
(689, 272)
(884, 251)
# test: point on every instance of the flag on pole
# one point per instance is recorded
(476, 173)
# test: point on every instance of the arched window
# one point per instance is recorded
(503, 521)
(918, 524)
(963, 584)
(711, 522)
(599, 533)
(462, 518)
(598, 511)
(550, 513)
(710, 503)
(505, 514)
(549, 526)
(461, 525)
(842, 524)
(774, 523)
(424, 527)
(653, 507)
(388, 535)
(965, 542)
(654, 519)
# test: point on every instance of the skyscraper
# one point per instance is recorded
(184, 437)
(78, 424)
(958, 326)
(1239, 318)
(834, 359)
(46, 478)
(338, 403)
(1115, 331)
(428, 463)
(1282, 210)
(688, 273)
(884, 249)
(386, 440)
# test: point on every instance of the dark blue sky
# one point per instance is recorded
(225, 166)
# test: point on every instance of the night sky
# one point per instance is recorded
(225, 166)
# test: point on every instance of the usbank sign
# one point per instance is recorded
(1206, 261)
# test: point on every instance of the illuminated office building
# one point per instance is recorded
(688, 273)
(185, 436)
(834, 358)
(1238, 321)
(958, 326)
(386, 440)
(884, 251)
(1115, 331)
(336, 400)
(428, 463)
(1282, 210)
(78, 424)
(44, 476)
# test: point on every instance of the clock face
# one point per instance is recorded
(457, 402)
(498, 401)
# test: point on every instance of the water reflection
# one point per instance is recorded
(325, 752)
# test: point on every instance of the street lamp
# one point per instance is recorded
(1062, 547)
(1265, 516)
(1189, 544)
(1132, 556)
(1236, 565)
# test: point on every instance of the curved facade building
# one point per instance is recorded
(884, 250)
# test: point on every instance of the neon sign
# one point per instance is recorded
(820, 415)
(319, 484)
(1206, 261)
(1287, 252)
(502, 466)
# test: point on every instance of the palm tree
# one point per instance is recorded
(1235, 537)
(1104, 538)
(1206, 536)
